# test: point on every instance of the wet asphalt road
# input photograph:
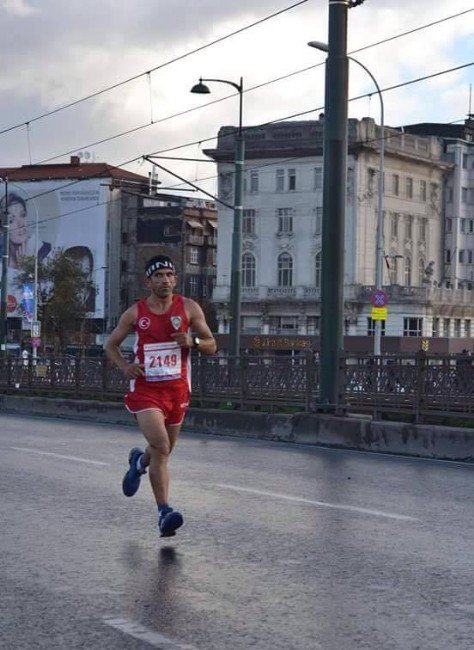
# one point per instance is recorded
(283, 547)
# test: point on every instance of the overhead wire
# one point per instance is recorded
(247, 90)
(148, 72)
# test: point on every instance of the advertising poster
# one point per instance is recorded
(46, 216)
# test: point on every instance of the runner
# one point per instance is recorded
(167, 325)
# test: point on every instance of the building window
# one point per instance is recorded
(285, 270)
(463, 225)
(313, 325)
(254, 181)
(435, 327)
(457, 327)
(318, 178)
(319, 220)
(280, 180)
(423, 191)
(408, 227)
(471, 225)
(461, 256)
(469, 257)
(412, 326)
(248, 270)
(394, 225)
(464, 161)
(248, 222)
(448, 256)
(421, 272)
(194, 255)
(422, 230)
(317, 268)
(283, 324)
(407, 272)
(446, 327)
(463, 194)
(449, 225)
(449, 194)
(193, 285)
(467, 328)
(409, 187)
(285, 220)
(395, 184)
(291, 180)
(371, 327)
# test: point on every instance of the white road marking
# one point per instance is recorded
(145, 634)
(336, 506)
(50, 453)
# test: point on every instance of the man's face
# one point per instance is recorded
(17, 221)
(161, 283)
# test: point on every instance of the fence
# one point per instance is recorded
(420, 385)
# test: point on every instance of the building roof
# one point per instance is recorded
(443, 130)
(76, 169)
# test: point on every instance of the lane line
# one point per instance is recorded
(138, 631)
(50, 453)
(324, 504)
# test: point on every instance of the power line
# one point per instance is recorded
(148, 72)
(250, 89)
(396, 86)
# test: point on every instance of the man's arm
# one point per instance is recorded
(116, 338)
(199, 327)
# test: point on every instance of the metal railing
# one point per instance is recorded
(421, 385)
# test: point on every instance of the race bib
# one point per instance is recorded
(162, 361)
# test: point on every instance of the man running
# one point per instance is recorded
(167, 326)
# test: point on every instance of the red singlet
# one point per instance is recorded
(167, 366)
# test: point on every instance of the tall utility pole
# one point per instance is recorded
(334, 204)
(4, 296)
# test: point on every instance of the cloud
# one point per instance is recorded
(19, 8)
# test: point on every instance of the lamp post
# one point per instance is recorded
(236, 260)
(379, 256)
(4, 297)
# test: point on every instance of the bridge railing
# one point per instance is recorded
(421, 385)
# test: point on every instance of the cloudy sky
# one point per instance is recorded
(55, 52)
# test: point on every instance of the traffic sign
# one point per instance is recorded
(379, 298)
(12, 303)
(379, 313)
(36, 328)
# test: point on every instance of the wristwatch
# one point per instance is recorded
(196, 341)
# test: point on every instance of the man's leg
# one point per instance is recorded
(160, 443)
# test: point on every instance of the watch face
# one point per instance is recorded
(197, 341)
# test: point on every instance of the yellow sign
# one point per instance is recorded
(379, 313)
(41, 370)
(425, 345)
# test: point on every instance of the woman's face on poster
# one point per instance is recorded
(17, 220)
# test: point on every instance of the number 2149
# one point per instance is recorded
(168, 361)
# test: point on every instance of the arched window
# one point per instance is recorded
(317, 269)
(407, 272)
(248, 270)
(421, 271)
(285, 270)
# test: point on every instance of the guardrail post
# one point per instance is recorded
(77, 376)
(420, 361)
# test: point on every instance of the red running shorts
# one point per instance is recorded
(172, 402)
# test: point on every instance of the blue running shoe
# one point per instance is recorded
(131, 480)
(169, 521)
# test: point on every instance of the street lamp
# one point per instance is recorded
(236, 260)
(379, 256)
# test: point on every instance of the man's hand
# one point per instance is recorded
(133, 370)
(183, 339)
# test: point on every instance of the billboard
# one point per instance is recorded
(45, 216)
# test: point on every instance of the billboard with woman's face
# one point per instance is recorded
(45, 216)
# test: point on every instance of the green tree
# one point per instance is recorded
(63, 288)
